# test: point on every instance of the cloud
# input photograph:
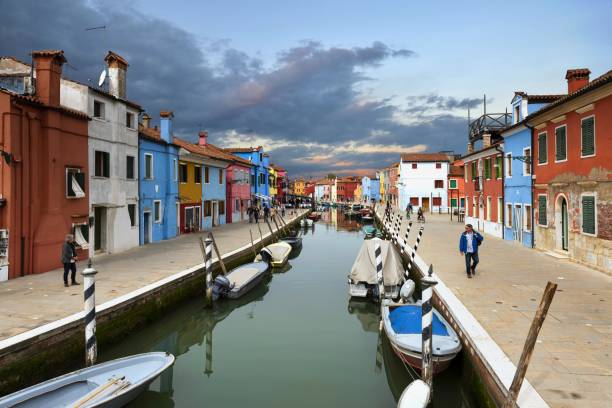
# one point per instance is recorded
(307, 103)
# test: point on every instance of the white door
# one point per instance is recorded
(517, 224)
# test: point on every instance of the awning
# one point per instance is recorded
(79, 238)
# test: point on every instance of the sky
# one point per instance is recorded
(331, 86)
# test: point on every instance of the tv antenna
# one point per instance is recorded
(102, 78)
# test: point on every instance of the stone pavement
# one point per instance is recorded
(572, 362)
(35, 300)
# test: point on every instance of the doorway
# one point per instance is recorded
(561, 222)
(425, 203)
(147, 227)
(215, 213)
(517, 225)
(100, 229)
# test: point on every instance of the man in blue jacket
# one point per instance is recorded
(468, 245)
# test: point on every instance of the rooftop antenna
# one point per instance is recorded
(485, 104)
(95, 28)
(102, 78)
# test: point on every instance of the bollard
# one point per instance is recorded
(379, 266)
(208, 366)
(89, 291)
(208, 264)
(427, 283)
(418, 239)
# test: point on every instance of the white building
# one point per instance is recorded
(113, 158)
(422, 181)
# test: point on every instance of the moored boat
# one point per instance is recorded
(295, 242)
(279, 252)
(243, 278)
(111, 384)
(306, 222)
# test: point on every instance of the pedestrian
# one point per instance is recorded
(266, 211)
(256, 214)
(409, 208)
(408, 211)
(283, 210)
(420, 215)
(468, 246)
(250, 213)
(69, 258)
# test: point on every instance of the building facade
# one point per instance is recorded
(260, 163)
(572, 151)
(393, 177)
(422, 181)
(190, 188)
(238, 190)
(370, 189)
(345, 188)
(456, 186)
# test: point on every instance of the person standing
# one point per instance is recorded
(468, 246)
(69, 258)
(266, 211)
(250, 213)
(283, 210)
(256, 214)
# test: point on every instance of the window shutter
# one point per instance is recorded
(487, 169)
(588, 214)
(560, 144)
(498, 170)
(542, 210)
(542, 149)
(588, 137)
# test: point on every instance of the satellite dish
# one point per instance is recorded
(102, 78)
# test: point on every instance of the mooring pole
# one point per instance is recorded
(379, 266)
(278, 229)
(223, 268)
(428, 283)
(271, 230)
(418, 239)
(208, 246)
(252, 244)
(89, 291)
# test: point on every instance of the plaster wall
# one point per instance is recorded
(420, 183)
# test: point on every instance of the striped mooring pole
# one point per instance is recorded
(208, 366)
(427, 282)
(208, 264)
(418, 240)
(379, 266)
(89, 291)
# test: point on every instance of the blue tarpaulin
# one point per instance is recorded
(407, 320)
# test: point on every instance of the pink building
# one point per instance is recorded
(238, 190)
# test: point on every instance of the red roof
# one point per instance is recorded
(242, 149)
(211, 151)
(424, 157)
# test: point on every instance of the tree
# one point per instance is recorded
(331, 176)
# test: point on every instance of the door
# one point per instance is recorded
(188, 219)
(99, 228)
(517, 225)
(564, 228)
(425, 204)
(215, 213)
(147, 227)
(197, 217)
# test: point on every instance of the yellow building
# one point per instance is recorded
(358, 193)
(190, 189)
(381, 177)
(299, 187)
(272, 174)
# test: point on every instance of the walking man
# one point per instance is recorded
(468, 245)
(69, 258)
(250, 213)
(266, 211)
(256, 214)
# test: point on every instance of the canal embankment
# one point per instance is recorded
(493, 311)
(42, 333)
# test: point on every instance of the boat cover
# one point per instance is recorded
(280, 251)
(364, 267)
(407, 320)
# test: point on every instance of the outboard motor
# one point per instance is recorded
(407, 291)
(221, 286)
(266, 256)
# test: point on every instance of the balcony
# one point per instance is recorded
(491, 123)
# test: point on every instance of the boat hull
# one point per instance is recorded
(415, 360)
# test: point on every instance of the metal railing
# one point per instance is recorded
(489, 123)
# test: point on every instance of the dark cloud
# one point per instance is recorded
(309, 95)
(424, 103)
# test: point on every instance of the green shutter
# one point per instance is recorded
(498, 170)
(588, 214)
(588, 137)
(542, 148)
(453, 183)
(487, 169)
(560, 144)
(453, 203)
(542, 210)
(474, 170)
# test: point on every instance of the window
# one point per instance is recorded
(517, 113)
(207, 208)
(102, 164)
(560, 144)
(438, 183)
(474, 170)
(221, 207)
(174, 170)
(527, 215)
(588, 137)
(438, 165)
(132, 213)
(220, 176)
(197, 174)
(148, 166)
(542, 148)
(589, 216)
(453, 203)
(414, 200)
(498, 167)
(98, 110)
(206, 175)
(236, 205)
(452, 184)
(183, 173)
(500, 208)
(542, 219)
(487, 168)
(489, 208)
(81, 235)
(414, 165)
(509, 215)
(509, 165)
(437, 201)
(129, 167)
(157, 212)
(252, 179)
(129, 120)
(75, 183)
(527, 162)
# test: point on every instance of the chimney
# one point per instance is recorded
(577, 79)
(165, 124)
(486, 140)
(48, 66)
(146, 121)
(117, 71)
(203, 138)
(470, 147)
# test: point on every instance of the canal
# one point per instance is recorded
(294, 341)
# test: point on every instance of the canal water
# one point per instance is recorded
(294, 341)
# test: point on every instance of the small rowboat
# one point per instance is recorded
(111, 384)
(279, 253)
(240, 280)
(305, 222)
(416, 395)
(402, 324)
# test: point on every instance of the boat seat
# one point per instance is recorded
(407, 320)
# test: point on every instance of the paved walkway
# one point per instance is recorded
(35, 300)
(572, 362)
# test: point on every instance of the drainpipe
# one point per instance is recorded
(532, 187)
(503, 174)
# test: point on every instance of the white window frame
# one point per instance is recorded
(145, 165)
(566, 151)
(508, 168)
(489, 205)
(588, 194)
(132, 121)
(538, 217)
(525, 163)
(500, 208)
(161, 216)
(594, 138)
(175, 169)
(545, 133)
(526, 215)
(450, 187)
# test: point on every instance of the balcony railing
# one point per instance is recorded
(489, 123)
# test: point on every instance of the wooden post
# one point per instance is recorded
(536, 325)
(428, 283)
(252, 244)
(223, 268)
(271, 231)
(260, 235)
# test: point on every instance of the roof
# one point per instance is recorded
(578, 73)
(33, 100)
(50, 53)
(242, 149)
(492, 147)
(152, 134)
(538, 98)
(14, 59)
(211, 151)
(111, 56)
(277, 168)
(456, 171)
(424, 157)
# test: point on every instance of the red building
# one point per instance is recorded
(393, 179)
(456, 186)
(281, 184)
(345, 188)
(238, 187)
(572, 190)
(44, 193)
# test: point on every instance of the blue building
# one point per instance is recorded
(158, 180)
(260, 162)
(518, 205)
(370, 189)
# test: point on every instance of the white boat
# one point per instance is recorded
(416, 395)
(306, 222)
(111, 384)
(279, 252)
(243, 278)
(363, 281)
